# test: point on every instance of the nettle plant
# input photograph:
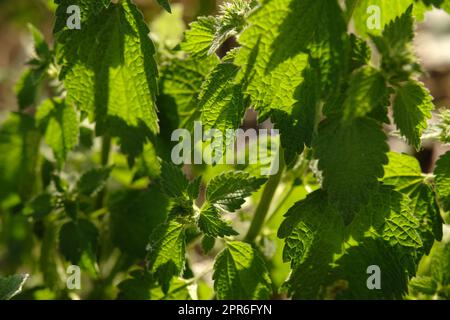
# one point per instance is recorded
(87, 178)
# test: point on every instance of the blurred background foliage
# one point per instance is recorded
(17, 236)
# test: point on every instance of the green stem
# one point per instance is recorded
(105, 152)
(266, 200)
(106, 149)
(280, 203)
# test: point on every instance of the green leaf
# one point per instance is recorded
(110, 73)
(423, 284)
(440, 263)
(426, 210)
(60, 123)
(165, 4)
(229, 189)
(173, 181)
(11, 286)
(134, 216)
(27, 88)
(221, 99)
(167, 250)
(93, 181)
(313, 232)
(273, 55)
(148, 164)
(394, 266)
(40, 206)
(442, 173)
(193, 189)
(212, 225)
(88, 9)
(388, 216)
(199, 36)
(208, 243)
(367, 10)
(137, 287)
(207, 34)
(412, 108)
(367, 90)
(350, 165)
(29, 85)
(141, 286)
(329, 259)
(180, 85)
(402, 171)
(396, 47)
(230, 21)
(240, 273)
(78, 241)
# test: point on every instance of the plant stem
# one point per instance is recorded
(106, 150)
(266, 200)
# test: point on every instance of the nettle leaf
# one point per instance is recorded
(93, 181)
(207, 34)
(141, 286)
(221, 99)
(60, 123)
(167, 250)
(271, 77)
(425, 208)
(212, 225)
(173, 181)
(199, 36)
(137, 287)
(388, 216)
(28, 87)
(230, 21)
(423, 284)
(442, 173)
(371, 16)
(240, 273)
(165, 4)
(12, 285)
(40, 206)
(135, 214)
(78, 242)
(273, 55)
(396, 47)
(208, 243)
(412, 108)
(110, 73)
(87, 10)
(229, 189)
(367, 90)
(313, 233)
(180, 85)
(440, 263)
(329, 259)
(350, 165)
(402, 171)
